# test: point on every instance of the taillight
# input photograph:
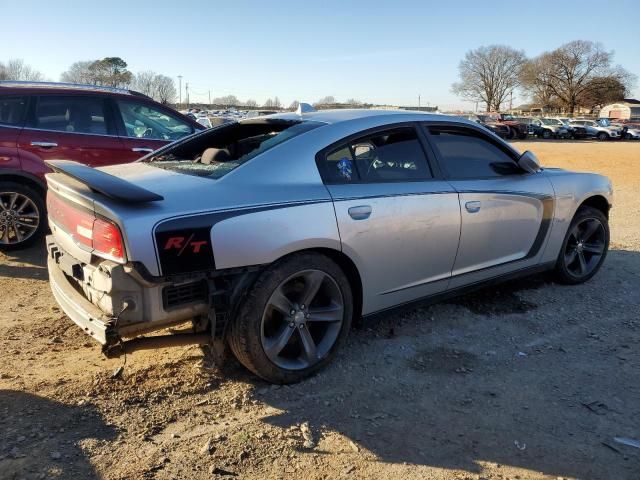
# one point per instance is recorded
(102, 236)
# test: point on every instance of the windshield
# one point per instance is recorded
(222, 149)
(551, 121)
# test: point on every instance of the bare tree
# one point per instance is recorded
(574, 73)
(227, 101)
(145, 82)
(328, 100)
(489, 75)
(79, 72)
(294, 105)
(3, 72)
(251, 103)
(16, 69)
(164, 89)
(353, 101)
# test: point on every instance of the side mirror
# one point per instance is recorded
(529, 162)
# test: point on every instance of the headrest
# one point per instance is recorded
(211, 155)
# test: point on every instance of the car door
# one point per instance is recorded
(69, 127)
(398, 222)
(145, 127)
(12, 112)
(505, 212)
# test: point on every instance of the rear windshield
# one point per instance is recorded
(220, 150)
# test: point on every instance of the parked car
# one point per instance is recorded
(204, 121)
(575, 131)
(594, 130)
(487, 122)
(276, 234)
(517, 129)
(553, 128)
(632, 132)
(96, 126)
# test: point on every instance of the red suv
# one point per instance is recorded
(93, 125)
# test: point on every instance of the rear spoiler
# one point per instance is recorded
(101, 182)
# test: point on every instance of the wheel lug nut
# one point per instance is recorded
(292, 324)
(302, 306)
(292, 312)
(307, 316)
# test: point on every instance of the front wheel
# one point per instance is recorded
(22, 216)
(294, 319)
(602, 136)
(584, 248)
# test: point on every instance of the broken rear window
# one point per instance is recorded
(218, 151)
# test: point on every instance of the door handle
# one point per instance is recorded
(361, 212)
(142, 149)
(472, 207)
(44, 144)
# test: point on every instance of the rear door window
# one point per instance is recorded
(12, 110)
(72, 114)
(388, 156)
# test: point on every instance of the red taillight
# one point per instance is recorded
(86, 229)
(107, 239)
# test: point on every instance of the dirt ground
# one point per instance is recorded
(529, 380)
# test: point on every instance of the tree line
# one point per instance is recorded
(109, 71)
(577, 74)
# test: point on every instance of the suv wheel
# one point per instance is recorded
(547, 134)
(22, 216)
(602, 136)
(294, 318)
(584, 248)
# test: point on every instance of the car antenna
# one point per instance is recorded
(304, 108)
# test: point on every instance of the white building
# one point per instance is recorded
(629, 109)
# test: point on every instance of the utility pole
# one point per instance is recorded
(209, 97)
(187, 94)
(418, 101)
(180, 89)
(511, 100)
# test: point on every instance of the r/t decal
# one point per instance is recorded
(182, 243)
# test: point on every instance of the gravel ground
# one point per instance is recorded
(529, 380)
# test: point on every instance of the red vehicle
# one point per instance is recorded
(517, 129)
(89, 124)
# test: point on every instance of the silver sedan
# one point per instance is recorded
(274, 235)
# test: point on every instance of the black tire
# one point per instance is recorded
(547, 134)
(522, 135)
(602, 136)
(245, 335)
(37, 206)
(512, 133)
(563, 271)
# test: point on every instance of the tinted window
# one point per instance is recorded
(467, 154)
(71, 114)
(12, 110)
(144, 121)
(394, 155)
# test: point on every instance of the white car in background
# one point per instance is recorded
(596, 130)
(204, 121)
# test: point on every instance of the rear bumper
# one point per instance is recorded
(94, 296)
(83, 313)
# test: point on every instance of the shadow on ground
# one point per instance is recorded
(41, 437)
(30, 263)
(537, 387)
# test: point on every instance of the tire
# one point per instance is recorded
(568, 272)
(254, 345)
(30, 204)
(602, 136)
(547, 134)
(512, 133)
(522, 135)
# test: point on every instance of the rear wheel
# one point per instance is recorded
(584, 248)
(22, 216)
(546, 134)
(602, 136)
(294, 319)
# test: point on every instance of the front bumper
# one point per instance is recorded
(110, 301)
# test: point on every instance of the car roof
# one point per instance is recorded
(344, 115)
(11, 86)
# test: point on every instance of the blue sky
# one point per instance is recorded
(382, 52)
